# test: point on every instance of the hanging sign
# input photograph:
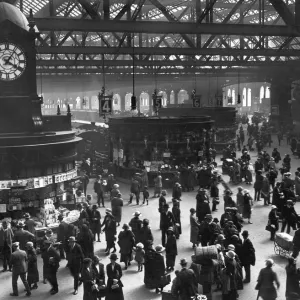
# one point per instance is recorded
(157, 102)
(197, 101)
(105, 104)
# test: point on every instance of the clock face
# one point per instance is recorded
(12, 61)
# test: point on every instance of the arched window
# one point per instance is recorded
(268, 92)
(229, 93)
(233, 96)
(244, 97)
(249, 100)
(172, 97)
(261, 93)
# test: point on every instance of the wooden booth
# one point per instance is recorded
(158, 143)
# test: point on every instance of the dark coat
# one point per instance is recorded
(75, 257)
(86, 241)
(135, 187)
(100, 278)
(292, 280)
(247, 253)
(33, 273)
(159, 268)
(62, 231)
(186, 285)
(116, 208)
(167, 220)
(95, 222)
(171, 245)
(202, 210)
(136, 225)
(19, 262)
(145, 236)
(88, 277)
(98, 188)
(290, 215)
(116, 294)
(50, 266)
(258, 184)
(126, 242)
(110, 229)
(177, 218)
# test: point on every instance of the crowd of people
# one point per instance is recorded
(234, 255)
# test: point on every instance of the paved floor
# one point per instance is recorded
(134, 288)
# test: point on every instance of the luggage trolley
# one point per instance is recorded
(283, 244)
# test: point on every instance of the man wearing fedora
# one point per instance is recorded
(6, 238)
(23, 236)
(171, 249)
(186, 283)
(19, 268)
(205, 230)
(247, 255)
(136, 225)
(114, 274)
(51, 261)
(75, 258)
(166, 221)
(61, 235)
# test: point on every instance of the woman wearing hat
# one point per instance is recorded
(32, 271)
(139, 256)
(114, 284)
(115, 191)
(110, 229)
(171, 249)
(96, 222)
(88, 279)
(194, 233)
(248, 203)
(273, 220)
(146, 234)
(240, 200)
(159, 268)
(265, 282)
(116, 207)
(126, 242)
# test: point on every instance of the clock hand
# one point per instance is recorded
(11, 64)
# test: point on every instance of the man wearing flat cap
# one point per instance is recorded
(19, 268)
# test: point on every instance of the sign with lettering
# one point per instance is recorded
(105, 104)
(197, 101)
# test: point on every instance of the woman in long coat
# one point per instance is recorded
(240, 200)
(159, 267)
(95, 222)
(247, 206)
(115, 191)
(32, 273)
(292, 279)
(194, 237)
(146, 235)
(116, 208)
(144, 178)
(110, 229)
(88, 279)
(126, 242)
(149, 266)
(171, 250)
(265, 282)
(86, 241)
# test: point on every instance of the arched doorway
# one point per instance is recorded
(78, 103)
(94, 102)
(268, 94)
(116, 102)
(182, 96)
(261, 93)
(164, 98)
(128, 101)
(233, 96)
(244, 97)
(144, 102)
(172, 97)
(249, 97)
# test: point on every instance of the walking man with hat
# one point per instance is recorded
(247, 255)
(171, 249)
(51, 261)
(23, 236)
(61, 236)
(136, 225)
(167, 221)
(29, 223)
(186, 283)
(19, 268)
(98, 188)
(75, 259)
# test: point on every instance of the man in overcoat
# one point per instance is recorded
(247, 255)
(19, 268)
(6, 238)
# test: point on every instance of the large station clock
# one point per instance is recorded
(12, 61)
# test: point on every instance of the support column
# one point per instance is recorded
(122, 99)
(176, 100)
(280, 94)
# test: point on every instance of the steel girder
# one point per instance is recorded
(86, 25)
